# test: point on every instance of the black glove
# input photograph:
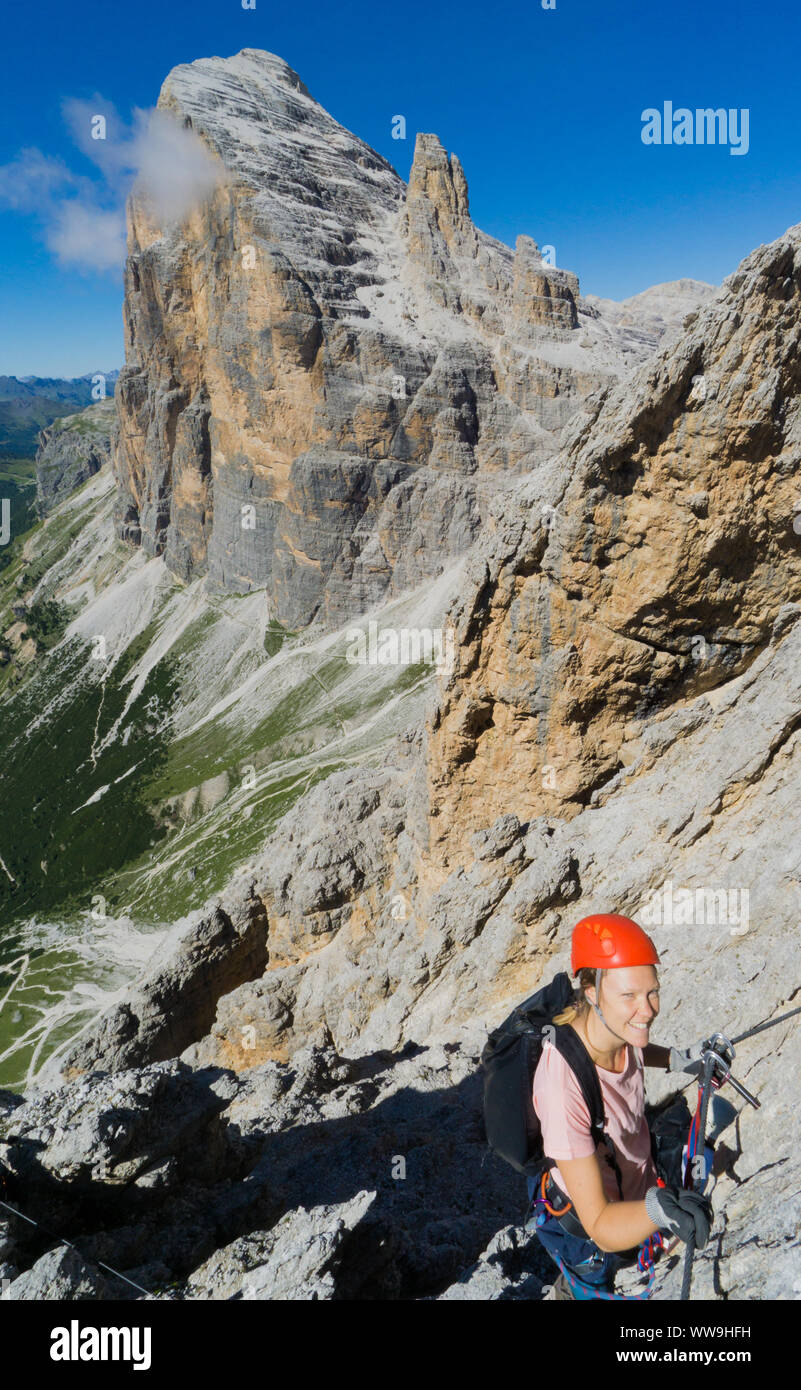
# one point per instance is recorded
(680, 1211)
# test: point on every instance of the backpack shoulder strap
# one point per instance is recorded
(569, 1044)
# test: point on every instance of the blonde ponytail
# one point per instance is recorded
(580, 1004)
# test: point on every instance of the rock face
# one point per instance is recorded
(648, 565)
(328, 374)
(177, 1004)
(632, 619)
(71, 450)
(204, 1184)
(620, 731)
(212, 1184)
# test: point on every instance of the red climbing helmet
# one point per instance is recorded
(605, 941)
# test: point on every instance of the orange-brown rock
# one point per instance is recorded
(322, 364)
(646, 565)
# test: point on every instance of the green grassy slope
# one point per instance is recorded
(18, 487)
(132, 786)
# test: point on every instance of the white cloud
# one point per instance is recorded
(85, 235)
(32, 180)
(168, 162)
(83, 218)
(173, 166)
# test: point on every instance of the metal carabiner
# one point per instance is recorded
(721, 1071)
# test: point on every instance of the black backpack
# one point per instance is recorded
(509, 1060)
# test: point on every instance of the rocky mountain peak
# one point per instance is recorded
(273, 66)
(328, 374)
(440, 182)
(334, 388)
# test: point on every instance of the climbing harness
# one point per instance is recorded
(584, 1292)
(566, 1216)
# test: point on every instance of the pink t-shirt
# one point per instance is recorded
(565, 1121)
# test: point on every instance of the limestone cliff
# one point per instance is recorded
(622, 723)
(648, 565)
(328, 374)
(630, 621)
(72, 449)
(619, 730)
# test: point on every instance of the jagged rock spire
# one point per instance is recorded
(440, 183)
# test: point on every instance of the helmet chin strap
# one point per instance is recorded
(598, 1011)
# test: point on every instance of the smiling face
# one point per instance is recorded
(629, 1002)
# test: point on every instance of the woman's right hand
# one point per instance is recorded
(686, 1214)
(691, 1059)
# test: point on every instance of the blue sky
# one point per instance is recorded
(543, 108)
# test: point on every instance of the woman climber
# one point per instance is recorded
(601, 1197)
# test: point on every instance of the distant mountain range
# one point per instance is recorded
(28, 404)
